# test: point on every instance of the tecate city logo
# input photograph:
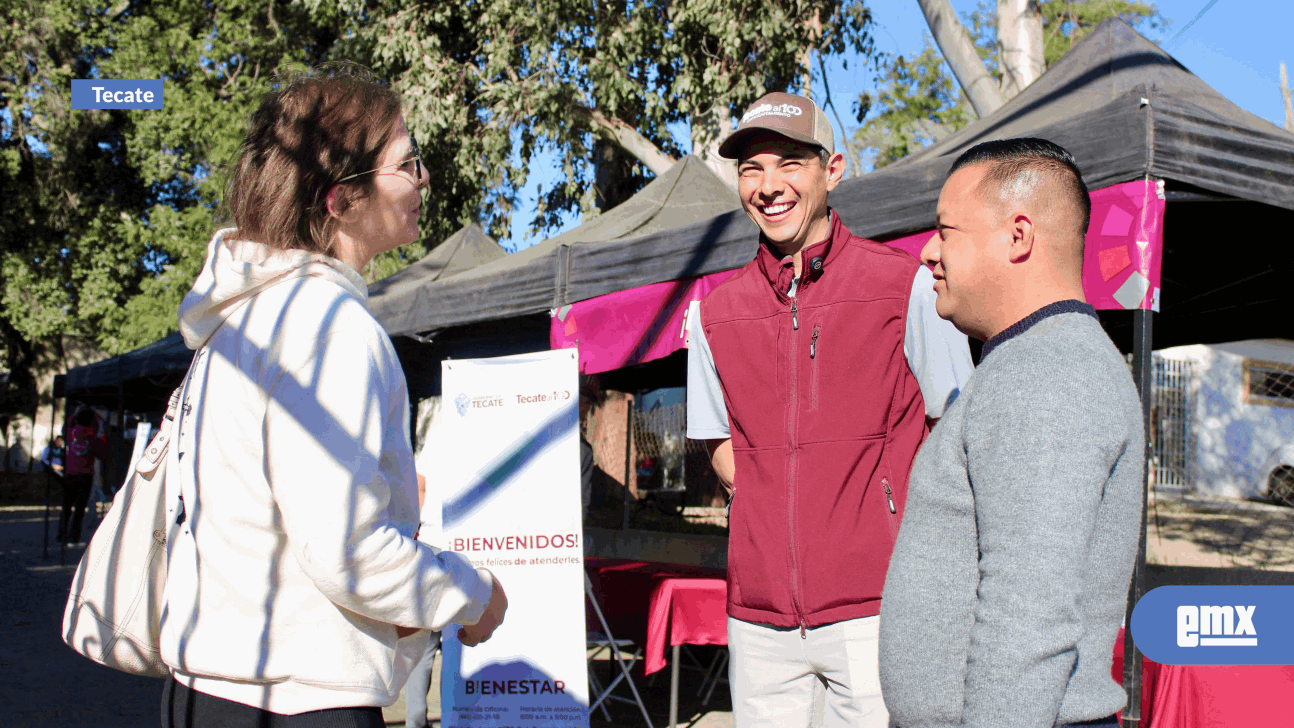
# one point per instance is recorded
(1216, 625)
(465, 402)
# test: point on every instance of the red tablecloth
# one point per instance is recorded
(1212, 696)
(653, 603)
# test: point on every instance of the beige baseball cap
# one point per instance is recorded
(794, 117)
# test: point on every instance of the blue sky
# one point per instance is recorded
(1236, 47)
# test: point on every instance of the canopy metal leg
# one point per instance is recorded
(1142, 370)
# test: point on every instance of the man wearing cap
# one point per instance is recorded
(814, 375)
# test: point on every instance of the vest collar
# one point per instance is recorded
(779, 270)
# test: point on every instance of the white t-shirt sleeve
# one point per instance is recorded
(707, 414)
(937, 353)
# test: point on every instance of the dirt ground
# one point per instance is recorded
(1219, 540)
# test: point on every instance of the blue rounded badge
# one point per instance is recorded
(105, 93)
(1216, 625)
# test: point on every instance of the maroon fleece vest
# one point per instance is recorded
(826, 418)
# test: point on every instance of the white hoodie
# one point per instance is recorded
(295, 554)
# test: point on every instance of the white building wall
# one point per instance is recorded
(1235, 439)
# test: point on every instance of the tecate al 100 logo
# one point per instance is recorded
(1216, 625)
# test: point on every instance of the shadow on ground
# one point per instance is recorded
(1192, 531)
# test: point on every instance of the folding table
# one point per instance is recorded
(654, 603)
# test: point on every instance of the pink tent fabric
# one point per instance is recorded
(632, 326)
(1121, 270)
(1123, 249)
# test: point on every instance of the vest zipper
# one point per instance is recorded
(813, 375)
(793, 410)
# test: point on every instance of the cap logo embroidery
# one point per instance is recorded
(786, 110)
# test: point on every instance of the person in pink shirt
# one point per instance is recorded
(84, 444)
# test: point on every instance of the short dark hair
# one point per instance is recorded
(1010, 157)
(315, 128)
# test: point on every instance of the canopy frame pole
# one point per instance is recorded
(629, 459)
(1142, 375)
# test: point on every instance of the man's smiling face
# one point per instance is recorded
(783, 186)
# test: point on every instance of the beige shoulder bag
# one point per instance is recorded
(113, 614)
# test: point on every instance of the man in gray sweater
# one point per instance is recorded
(1011, 569)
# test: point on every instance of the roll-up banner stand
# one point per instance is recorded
(503, 458)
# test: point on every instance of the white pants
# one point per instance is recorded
(774, 674)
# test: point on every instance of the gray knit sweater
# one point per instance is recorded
(1010, 574)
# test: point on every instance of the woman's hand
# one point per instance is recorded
(474, 634)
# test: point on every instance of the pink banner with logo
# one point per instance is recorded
(1123, 251)
(630, 327)
(1121, 270)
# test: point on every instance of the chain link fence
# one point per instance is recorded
(663, 464)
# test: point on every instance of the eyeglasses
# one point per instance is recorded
(416, 159)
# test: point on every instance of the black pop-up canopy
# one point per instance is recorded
(502, 307)
(146, 376)
(1124, 107)
(400, 295)
(638, 241)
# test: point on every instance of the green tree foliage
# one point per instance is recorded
(104, 215)
(1065, 22)
(919, 101)
(493, 82)
(918, 104)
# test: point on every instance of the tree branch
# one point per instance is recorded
(959, 51)
(270, 14)
(628, 139)
(844, 133)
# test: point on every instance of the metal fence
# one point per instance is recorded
(1172, 431)
(666, 460)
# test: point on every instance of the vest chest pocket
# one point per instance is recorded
(813, 367)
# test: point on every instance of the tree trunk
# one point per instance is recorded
(708, 132)
(628, 139)
(612, 174)
(1019, 31)
(957, 48)
(1285, 96)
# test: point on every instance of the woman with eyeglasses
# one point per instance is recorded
(296, 593)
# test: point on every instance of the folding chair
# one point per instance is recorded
(598, 641)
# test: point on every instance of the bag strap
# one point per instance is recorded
(156, 450)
